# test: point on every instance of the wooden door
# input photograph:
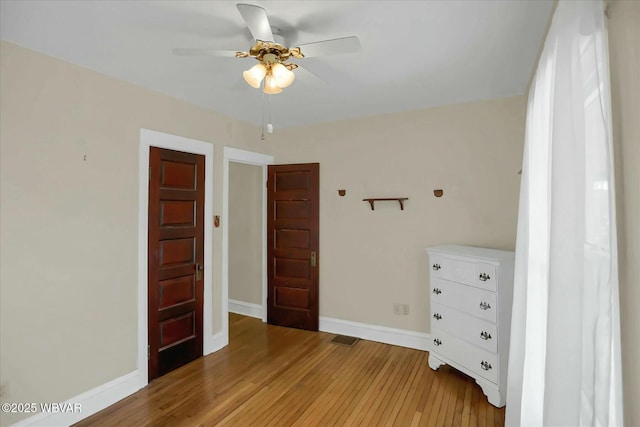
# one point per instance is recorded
(292, 245)
(176, 259)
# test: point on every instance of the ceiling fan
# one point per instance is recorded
(273, 71)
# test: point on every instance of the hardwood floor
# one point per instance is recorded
(276, 376)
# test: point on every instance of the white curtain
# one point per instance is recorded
(564, 367)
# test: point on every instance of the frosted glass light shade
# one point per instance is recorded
(270, 85)
(254, 75)
(283, 76)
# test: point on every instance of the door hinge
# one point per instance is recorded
(149, 173)
(148, 352)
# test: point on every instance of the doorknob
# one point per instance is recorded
(313, 259)
(199, 268)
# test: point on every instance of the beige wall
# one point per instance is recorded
(372, 259)
(68, 260)
(245, 232)
(624, 46)
(68, 256)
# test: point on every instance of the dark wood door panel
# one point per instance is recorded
(176, 249)
(292, 245)
(174, 271)
(176, 291)
(176, 329)
(291, 239)
(292, 209)
(177, 213)
(172, 194)
(178, 355)
(176, 310)
(288, 180)
(175, 174)
(290, 268)
(170, 233)
(292, 298)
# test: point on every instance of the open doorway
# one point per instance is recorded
(246, 249)
(234, 160)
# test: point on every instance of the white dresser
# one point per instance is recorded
(471, 294)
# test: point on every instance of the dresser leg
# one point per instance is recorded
(434, 362)
(494, 396)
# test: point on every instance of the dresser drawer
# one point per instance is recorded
(475, 331)
(474, 301)
(477, 274)
(481, 362)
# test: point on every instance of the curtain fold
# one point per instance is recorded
(564, 363)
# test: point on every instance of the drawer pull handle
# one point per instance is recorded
(485, 335)
(437, 342)
(437, 316)
(484, 277)
(437, 291)
(485, 365)
(436, 267)
(485, 305)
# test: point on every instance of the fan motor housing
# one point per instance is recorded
(270, 58)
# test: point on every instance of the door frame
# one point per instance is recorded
(151, 138)
(251, 158)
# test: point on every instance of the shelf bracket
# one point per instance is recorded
(398, 199)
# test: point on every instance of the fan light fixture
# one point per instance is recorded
(255, 74)
(271, 86)
(276, 77)
(272, 69)
(282, 75)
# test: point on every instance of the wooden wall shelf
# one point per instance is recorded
(398, 199)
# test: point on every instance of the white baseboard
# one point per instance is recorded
(215, 343)
(89, 402)
(245, 308)
(400, 337)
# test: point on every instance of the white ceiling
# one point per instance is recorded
(415, 54)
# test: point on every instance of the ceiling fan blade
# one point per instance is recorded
(308, 77)
(257, 21)
(200, 52)
(330, 47)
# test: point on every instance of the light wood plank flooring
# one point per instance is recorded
(276, 376)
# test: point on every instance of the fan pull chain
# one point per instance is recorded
(269, 121)
(266, 116)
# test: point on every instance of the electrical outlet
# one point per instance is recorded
(405, 309)
(397, 309)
